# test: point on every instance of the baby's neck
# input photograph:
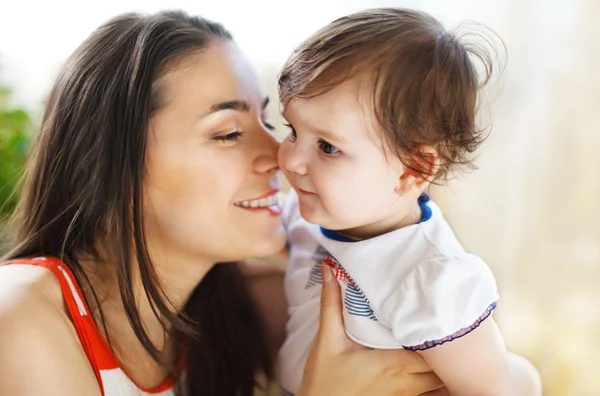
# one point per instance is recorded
(387, 224)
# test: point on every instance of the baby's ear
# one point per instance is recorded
(410, 181)
(427, 161)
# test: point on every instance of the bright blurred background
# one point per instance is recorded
(531, 208)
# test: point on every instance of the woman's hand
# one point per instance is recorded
(338, 366)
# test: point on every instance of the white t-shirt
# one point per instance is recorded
(412, 288)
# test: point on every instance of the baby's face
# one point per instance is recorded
(334, 158)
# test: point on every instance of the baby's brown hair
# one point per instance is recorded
(425, 82)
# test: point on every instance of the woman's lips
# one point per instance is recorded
(269, 202)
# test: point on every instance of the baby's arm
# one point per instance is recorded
(442, 309)
(473, 365)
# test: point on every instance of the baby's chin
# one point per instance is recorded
(312, 215)
(324, 220)
(309, 215)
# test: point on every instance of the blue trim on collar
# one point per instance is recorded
(336, 235)
(426, 214)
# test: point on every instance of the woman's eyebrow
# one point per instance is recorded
(237, 105)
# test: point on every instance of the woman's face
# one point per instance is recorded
(210, 160)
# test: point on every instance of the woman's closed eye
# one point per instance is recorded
(266, 122)
(231, 137)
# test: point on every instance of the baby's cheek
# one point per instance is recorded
(340, 208)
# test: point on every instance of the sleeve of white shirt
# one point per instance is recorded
(440, 300)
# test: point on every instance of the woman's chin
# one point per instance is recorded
(256, 243)
(269, 245)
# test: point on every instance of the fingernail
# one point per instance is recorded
(326, 273)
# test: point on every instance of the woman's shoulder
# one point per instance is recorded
(41, 352)
(24, 287)
(31, 307)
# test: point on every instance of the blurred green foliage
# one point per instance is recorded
(15, 136)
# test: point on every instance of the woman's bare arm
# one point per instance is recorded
(40, 351)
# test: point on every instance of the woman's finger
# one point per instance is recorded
(428, 382)
(331, 326)
(410, 362)
(437, 392)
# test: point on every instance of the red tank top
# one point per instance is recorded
(113, 380)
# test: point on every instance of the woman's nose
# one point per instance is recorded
(266, 161)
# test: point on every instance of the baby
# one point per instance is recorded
(381, 104)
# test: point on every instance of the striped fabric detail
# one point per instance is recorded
(356, 302)
(314, 277)
(461, 333)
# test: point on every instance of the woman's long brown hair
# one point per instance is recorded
(83, 185)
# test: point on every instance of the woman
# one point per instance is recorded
(154, 141)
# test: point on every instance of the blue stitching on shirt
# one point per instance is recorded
(461, 333)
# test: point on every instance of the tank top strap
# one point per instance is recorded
(96, 349)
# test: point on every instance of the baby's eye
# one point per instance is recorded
(293, 135)
(327, 148)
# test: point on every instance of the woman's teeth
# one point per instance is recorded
(269, 201)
